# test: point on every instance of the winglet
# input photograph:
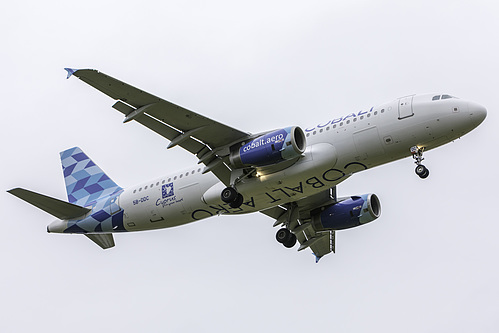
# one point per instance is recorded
(317, 258)
(70, 72)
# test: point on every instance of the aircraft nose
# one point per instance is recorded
(477, 112)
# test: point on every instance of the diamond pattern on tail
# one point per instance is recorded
(85, 181)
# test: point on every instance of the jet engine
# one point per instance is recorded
(348, 213)
(271, 148)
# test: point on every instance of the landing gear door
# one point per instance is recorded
(405, 107)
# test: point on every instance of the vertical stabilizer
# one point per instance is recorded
(85, 181)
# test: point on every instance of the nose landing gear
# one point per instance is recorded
(417, 155)
(422, 171)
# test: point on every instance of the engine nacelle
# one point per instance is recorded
(349, 213)
(271, 148)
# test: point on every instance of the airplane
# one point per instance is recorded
(288, 174)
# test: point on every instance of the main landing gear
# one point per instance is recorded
(417, 155)
(232, 197)
(286, 237)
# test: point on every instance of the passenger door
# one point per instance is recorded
(405, 107)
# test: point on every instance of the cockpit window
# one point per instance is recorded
(437, 97)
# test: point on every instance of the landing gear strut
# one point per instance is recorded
(417, 155)
(232, 197)
(286, 237)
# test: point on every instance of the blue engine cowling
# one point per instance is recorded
(349, 213)
(271, 148)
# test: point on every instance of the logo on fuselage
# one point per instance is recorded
(278, 138)
(167, 190)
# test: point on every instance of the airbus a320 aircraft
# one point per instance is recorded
(289, 174)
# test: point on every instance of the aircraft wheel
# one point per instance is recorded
(290, 242)
(229, 194)
(238, 202)
(282, 235)
(422, 171)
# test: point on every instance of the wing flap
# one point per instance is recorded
(164, 130)
(160, 128)
(123, 108)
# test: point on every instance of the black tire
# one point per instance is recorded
(282, 235)
(238, 202)
(229, 194)
(422, 171)
(290, 242)
(426, 174)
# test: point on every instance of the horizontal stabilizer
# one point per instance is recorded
(103, 240)
(61, 209)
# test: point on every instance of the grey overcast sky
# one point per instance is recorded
(429, 264)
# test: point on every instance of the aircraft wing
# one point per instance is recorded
(206, 138)
(296, 217)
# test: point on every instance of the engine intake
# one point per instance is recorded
(349, 213)
(271, 148)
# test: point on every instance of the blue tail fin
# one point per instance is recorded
(85, 181)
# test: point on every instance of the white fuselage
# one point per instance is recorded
(336, 149)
